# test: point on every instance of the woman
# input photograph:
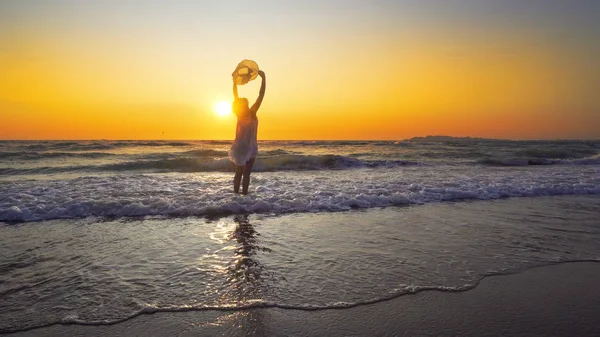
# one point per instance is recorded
(245, 148)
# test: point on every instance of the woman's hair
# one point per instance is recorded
(240, 106)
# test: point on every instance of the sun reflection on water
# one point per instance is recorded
(235, 258)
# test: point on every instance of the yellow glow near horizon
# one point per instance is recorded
(222, 108)
(95, 69)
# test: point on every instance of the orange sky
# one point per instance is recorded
(98, 70)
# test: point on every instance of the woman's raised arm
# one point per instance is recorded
(261, 94)
(235, 93)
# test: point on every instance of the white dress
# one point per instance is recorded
(245, 146)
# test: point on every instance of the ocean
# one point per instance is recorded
(99, 232)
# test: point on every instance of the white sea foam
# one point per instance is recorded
(282, 192)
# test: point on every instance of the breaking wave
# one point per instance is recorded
(213, 161)
(134, 195)
(592, 160)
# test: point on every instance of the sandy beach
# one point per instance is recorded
(558, 300)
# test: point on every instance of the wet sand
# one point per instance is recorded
(557, 300)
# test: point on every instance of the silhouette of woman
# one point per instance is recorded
(245, 148)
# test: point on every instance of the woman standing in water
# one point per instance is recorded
(245, 148)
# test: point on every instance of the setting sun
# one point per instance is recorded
(223, 108)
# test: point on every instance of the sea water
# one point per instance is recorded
(97, 232)
(57, 180)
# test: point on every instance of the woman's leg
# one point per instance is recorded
(239, 170)
(247, 171)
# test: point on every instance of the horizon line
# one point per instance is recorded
(302, 140)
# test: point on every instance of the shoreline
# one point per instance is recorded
(557, 299)
(217, 216)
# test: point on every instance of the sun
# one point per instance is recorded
(222, 108)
